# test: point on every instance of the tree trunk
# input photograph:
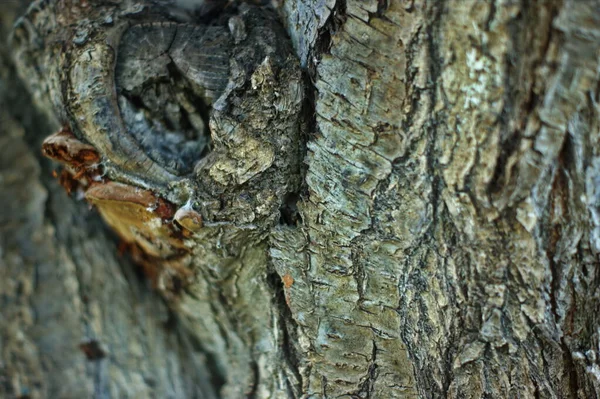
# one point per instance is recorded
(438, 239)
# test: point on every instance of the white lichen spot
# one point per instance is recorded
(154, 223)
(590, 354)
(526, 215)
(470, 353)
(594, 370)
(479, 69)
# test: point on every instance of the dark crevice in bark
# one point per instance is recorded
(92, 350)
(382, 6)
(560, 192)
(289, 212)
(358, 273)
(200, 106)
(497, 183)
(255, 381)
(366, 389)
(511, 138)
(433, 37)
(435, 71)
(570, 369)
(491, 16)
(412, 69)
(288, 327)
(448, 354)
(216, 374)
(536, 392)
(216, 378)
(323, 43)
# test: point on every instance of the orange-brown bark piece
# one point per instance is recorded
(138, 216)
(65, 148)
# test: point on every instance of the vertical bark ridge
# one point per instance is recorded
(344, 300)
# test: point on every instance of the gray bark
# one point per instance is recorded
(76, 319)
(442, 242)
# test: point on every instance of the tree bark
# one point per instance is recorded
(443, 241)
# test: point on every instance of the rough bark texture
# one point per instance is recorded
(443, 242)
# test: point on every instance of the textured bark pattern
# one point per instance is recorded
(452, 202)
(346, 299)
(519, 91)
(448, 229)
